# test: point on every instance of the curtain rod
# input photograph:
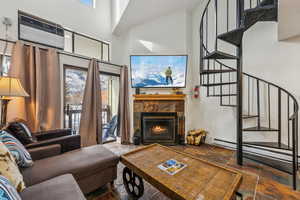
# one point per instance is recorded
(70, 54)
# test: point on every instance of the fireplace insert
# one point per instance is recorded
(159, 128)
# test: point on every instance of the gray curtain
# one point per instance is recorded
(39, 72)
(124, 115)
(91, 116)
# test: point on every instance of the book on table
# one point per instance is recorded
(172, 166)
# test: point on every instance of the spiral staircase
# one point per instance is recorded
(263, 108)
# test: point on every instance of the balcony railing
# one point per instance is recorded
(72, 116)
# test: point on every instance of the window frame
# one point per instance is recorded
(102, 43)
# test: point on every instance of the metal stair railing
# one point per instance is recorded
(274, 108)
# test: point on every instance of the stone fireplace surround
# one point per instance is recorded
(161, 103)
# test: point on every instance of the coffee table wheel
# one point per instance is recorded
(134, 184)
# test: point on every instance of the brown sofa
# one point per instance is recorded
(56, 177)
(63, 137)
(61, 188)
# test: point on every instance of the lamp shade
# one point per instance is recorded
(11, 87)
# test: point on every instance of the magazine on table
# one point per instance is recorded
(172, 166)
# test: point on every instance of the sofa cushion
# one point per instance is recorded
(21, 155)
(80, 163)
(9, 168)
(61, 187)
(7, 190)
(20, 131)
(39, 153)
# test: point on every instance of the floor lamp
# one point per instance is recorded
(9, 88)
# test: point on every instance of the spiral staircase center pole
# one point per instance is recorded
(239, 88)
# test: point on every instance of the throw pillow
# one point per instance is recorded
(22, 156)
(9, 169)
(7, 190)
(20, 131)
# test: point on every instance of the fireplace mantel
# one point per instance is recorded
(159, 97)
(160, 103)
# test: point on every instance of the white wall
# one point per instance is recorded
(288, 19)
(117, 9)
(167, 35)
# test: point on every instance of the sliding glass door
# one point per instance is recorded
(110, 104)
(74, 84)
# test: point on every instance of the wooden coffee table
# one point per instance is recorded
(200, 180)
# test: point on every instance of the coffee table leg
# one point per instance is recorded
(134, 184)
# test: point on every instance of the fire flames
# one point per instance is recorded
(158, 129)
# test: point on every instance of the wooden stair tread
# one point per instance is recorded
(217, 71)
(220, 55)
(260, 129)
(269, 145)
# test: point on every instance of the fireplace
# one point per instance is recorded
(159, 128)
(170, 106)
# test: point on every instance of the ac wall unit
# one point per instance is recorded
(37, 30)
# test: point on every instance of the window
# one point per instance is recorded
(5, 62)
(110, 106)
(74, 85)
(87, 46)
(91, 3)
(68, 41)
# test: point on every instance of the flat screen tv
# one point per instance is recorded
(158, 71)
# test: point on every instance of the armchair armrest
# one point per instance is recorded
(67, 143)
(39, 153)
(46, 135)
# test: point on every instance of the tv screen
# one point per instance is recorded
(158, 71)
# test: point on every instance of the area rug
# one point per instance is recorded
(211, 153)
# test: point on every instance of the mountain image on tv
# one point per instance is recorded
(158, 71)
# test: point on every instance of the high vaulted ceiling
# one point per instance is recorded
(140, 11)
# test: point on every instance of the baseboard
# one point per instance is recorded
(267, 153)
